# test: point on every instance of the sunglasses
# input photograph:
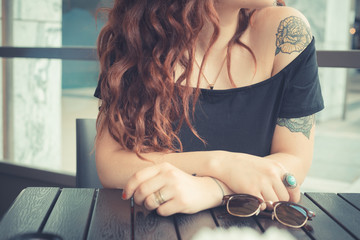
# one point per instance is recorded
(287, 213)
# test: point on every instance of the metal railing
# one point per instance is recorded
(333, 59)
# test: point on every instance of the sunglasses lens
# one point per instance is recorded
(243, 205)
(291, 214)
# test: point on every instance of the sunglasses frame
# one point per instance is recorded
(309, 214)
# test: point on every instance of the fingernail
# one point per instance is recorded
(124, 195)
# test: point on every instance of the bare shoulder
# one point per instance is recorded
(285, 30)
(293, 32)
(274, 17)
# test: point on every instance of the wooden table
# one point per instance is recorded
(75, 213)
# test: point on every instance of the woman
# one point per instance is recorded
(201, 98)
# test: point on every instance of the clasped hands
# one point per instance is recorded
(170, 190)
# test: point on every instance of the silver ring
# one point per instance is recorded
(159, 198)
(289, 180)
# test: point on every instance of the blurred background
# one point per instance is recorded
(42, 96)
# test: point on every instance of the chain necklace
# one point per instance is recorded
(211, 85)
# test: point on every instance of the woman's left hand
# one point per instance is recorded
(170, 190)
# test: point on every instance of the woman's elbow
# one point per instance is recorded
(109, 172)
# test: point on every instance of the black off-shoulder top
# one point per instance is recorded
(244, 119)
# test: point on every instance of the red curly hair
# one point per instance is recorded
(138, 48)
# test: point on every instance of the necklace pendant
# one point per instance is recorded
(211, 86)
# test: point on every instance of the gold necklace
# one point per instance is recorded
(211, 85)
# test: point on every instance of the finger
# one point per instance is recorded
(269, 196)
(281, 191)
(151, 203)
(138, 178)
(259, 195)
(149, 187)
(168, 208)
(294, 194)
(263, 205)
(157, 199)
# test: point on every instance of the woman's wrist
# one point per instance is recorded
(221, 189)
(217, 164)
(213, 196)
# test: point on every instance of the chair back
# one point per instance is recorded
(86, 174)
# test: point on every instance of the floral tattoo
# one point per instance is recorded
(303, 124)
(293, 35)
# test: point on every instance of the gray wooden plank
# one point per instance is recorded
(150, 225)
(111, 217)
(71, 214)
(28, 211)
(353, 198)
(323, 226)
(189, 224)
(225, 220)
(344, 213)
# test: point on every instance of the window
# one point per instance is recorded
(47, 95)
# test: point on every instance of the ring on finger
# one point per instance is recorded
(159, 198)
(289, 180)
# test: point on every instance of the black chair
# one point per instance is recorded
(86, 174)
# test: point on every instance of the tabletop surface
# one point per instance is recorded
(83, 213)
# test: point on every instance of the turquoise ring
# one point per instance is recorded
(289, 180)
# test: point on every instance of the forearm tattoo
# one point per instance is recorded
(293, 35)
(303, 124)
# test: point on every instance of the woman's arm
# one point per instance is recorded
(139, 178)
(115, 166)
(291, 152)
(293, 144)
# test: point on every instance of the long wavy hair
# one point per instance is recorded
(139, 48)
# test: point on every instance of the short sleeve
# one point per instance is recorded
(302, 96)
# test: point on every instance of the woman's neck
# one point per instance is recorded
(228, 22)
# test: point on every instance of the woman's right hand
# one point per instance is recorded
(170, 190)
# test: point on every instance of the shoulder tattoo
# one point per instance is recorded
(293, 35)
(302, 124)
